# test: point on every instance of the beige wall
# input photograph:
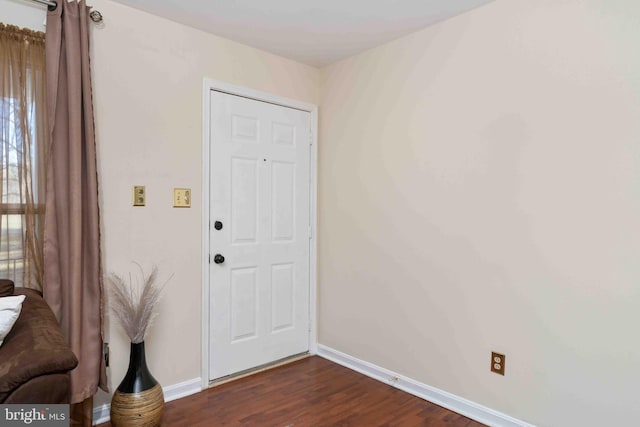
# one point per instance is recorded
(480, 190)
(148, 79)
(22, 13)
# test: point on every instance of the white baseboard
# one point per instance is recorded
(183, 389)
(442, 398)
(101, 414)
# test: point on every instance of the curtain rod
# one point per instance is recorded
(52, 5)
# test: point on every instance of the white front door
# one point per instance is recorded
(259, 224)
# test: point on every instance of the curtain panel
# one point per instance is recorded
(73, 272)
(23, 144)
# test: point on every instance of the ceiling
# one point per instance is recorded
(315, 32)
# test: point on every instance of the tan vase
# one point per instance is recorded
(138, 401)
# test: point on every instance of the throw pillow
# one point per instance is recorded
(9, 311)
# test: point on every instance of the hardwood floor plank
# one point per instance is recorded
(311, 392)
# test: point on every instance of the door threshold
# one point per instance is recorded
(258, 369)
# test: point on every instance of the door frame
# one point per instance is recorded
(215, 85)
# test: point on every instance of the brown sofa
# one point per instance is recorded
(35, 359)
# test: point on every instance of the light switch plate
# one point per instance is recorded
(181, 197)
(139, 195)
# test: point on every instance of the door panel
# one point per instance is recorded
(283, 204)
(260, 192)
(244, 304)
(282, 296)
(244, 200)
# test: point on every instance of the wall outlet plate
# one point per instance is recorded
(497, 363)
(139, 195)
(181, 197)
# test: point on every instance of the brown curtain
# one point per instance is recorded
(73, 276)
(23, 131)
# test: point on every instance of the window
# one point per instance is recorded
(22, 155)
(13, 192)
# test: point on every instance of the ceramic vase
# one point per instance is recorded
(138, 401)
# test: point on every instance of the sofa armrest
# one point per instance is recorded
(45, 389)
(35, 347)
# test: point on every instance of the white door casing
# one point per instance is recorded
(259, 191)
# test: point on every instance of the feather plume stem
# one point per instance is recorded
(136, 308)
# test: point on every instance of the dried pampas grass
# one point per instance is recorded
(135, 308)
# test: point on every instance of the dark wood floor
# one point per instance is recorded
(309, 392)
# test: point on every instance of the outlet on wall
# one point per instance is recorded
(497, 363)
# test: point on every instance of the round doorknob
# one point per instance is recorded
(218, 259)
(217, 225)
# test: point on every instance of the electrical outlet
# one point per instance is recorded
(105, 347)
(497, 363)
